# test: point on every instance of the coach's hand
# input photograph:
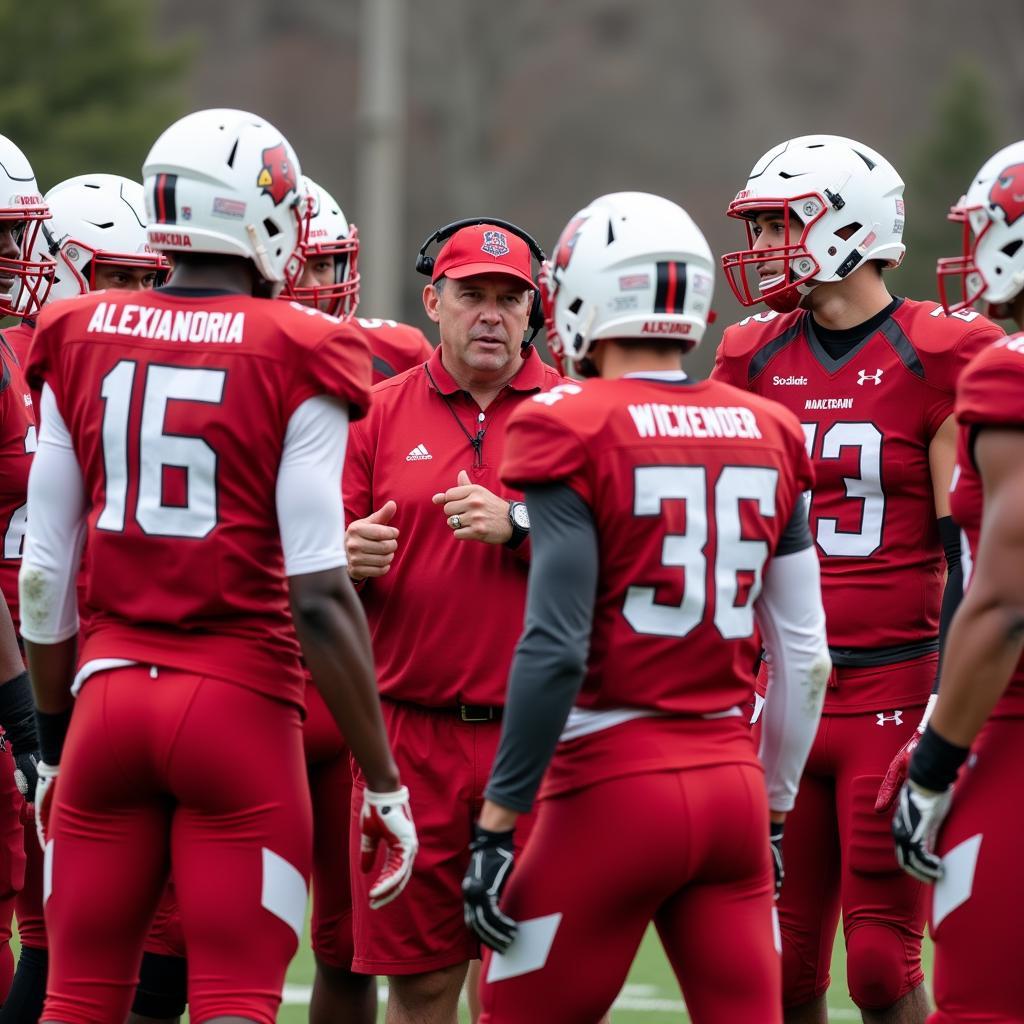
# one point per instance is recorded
(387, 818)
(44, 798)
(915, 827)
(475, 513)
(900, 764)
(490, 864)
(371, 543)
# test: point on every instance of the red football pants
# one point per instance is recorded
(168, 771)
(330, 783)
(685, 849)
(977, 907)
(28, 907)
(12, 860)
(839, 854)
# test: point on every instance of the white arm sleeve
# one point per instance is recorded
(792, 624)
(310, 513)
(55, 534)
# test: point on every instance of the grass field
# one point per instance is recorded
(649, 997)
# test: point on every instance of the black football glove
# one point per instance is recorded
(915, 827)
(490, 864)
(775, 830)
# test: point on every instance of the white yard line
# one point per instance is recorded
(638, 998)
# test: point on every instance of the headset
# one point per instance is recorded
(425, 263)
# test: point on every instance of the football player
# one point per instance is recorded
(871, 378)
(24, 281)
(330, 282)
(973, 855)
(196, 435)
(96, 238)
(667, 521)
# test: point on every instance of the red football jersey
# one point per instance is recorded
(396, 347)
(868, 419)
(178, 405)
(17, 443)
(691, 487)
(990, 394)
(19, 337)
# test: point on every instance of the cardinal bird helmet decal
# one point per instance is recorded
(277, 177)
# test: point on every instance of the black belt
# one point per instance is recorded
(467, 712)
(479, 712)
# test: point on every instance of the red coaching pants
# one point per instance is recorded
(168, 771)
(445, 762)
(686, 849)
(977, 908)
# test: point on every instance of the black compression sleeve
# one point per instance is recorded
(18, 714)
(949, 534)
(797, 534)
(551, 657)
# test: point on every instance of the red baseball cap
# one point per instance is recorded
(484, 249)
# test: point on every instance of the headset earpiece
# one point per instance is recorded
(425, 263)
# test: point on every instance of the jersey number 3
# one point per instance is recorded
(157, 450)
(734, 554)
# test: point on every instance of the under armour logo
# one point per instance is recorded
(875, 377)
(896, 716)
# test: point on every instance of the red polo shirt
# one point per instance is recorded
(446, 618)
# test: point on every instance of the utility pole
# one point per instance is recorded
(383, 261)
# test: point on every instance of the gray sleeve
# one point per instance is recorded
(551, 658)
(797, 534)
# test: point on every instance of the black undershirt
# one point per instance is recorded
(838, 343)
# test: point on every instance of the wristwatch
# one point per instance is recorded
(519, 517)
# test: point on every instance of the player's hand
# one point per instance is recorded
(775, 830)
(490, 864)
(387, 818)
(371, 543)
(915, 827)
(475, 513)
(896, 774)
(26, 773)
(45, 786)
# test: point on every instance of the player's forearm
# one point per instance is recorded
(52, 669)
(496, 818)
(335, 642)
(984, 646)
(11, 664)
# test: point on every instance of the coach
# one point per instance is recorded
(441, 547)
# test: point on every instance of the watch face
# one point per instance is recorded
(521, 516)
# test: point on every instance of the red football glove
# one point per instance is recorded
(44, 799)
(891, 785)
(386, 818)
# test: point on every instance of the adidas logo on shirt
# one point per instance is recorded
(418, 454)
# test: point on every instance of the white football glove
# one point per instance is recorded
(915, 827)
(387, 817)
(44, 798)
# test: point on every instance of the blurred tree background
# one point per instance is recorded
(86, 86)
(529, 110)
(961, 133)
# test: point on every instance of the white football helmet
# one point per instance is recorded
(24, 280)
(629, 266)
(842, 204)
(227, 182)
(96, 219)
(330, 235)
(991, 266)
